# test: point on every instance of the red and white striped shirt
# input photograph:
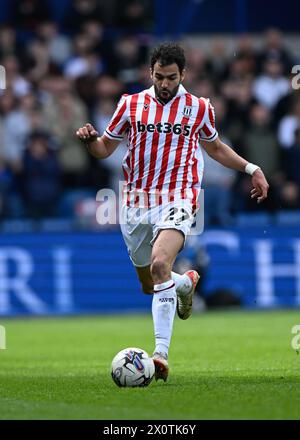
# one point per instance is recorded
(164, 157)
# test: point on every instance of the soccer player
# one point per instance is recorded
(163, 166)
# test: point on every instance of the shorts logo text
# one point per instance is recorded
(165, 300)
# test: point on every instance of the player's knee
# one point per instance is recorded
(160, 267)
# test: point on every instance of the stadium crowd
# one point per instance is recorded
(59, 76)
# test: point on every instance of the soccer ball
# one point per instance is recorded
(132, 367)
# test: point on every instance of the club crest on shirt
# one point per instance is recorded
(187, 111)
(146, 106)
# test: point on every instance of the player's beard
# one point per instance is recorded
(165, 97)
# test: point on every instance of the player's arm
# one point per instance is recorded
(99, 146)
(225, 155)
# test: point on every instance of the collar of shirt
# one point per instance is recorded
(181, 91)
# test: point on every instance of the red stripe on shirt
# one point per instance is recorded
(126, 175)
(206, 130)
(195, 175)
(123, 128)
(177, 162)
(145, 114)
(125, 169)
(154, 146)
(167, 147)
(192, 142)
(195, 179)
(117, 118)
(194, 201)
(211, 116)
(133, 107)
(195, 169)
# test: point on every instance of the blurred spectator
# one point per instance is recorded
(85, 86)
(59, 45)
(217, 183)
(274, 48)
(292, 157)
(82, 11)
(220, 107)
(198, 79)
(271, 85)
(40, 177)
(65, 113)
(260, 143)
(135, 16)
(85, 60)
(109, 87)
(19, 118)
(285, 105)
(289, 196)
(26, 15)
(245, 47)
(89, 64)
(37, 61)
(14, 79)
(52, 85)
(6, 182)
(218, 59)
(101, 117)
(241, 68)
(239, 102)
(143, 80)
(95, 32)
(260, 146)
(8, 42)
(288, 125)
(202, 87)
(197, 62)
(128, 55)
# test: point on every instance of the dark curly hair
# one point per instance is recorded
(168, 53)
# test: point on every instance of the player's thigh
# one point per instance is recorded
(167, 245)
(137, 237)
(145, 278)
(170, 230)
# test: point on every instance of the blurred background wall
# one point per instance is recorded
(67, 62)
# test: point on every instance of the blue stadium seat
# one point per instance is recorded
(288, 218)
(69, 200)
(253, 219)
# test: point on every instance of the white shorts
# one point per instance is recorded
(140, 227)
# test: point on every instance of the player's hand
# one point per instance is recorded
(260, 186)
(87, 133)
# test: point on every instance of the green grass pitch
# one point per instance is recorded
(223, 365)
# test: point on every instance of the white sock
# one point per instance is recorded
(183, 283)
(163, 311)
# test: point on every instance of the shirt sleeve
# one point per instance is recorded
(208, 130)
(119, 122)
